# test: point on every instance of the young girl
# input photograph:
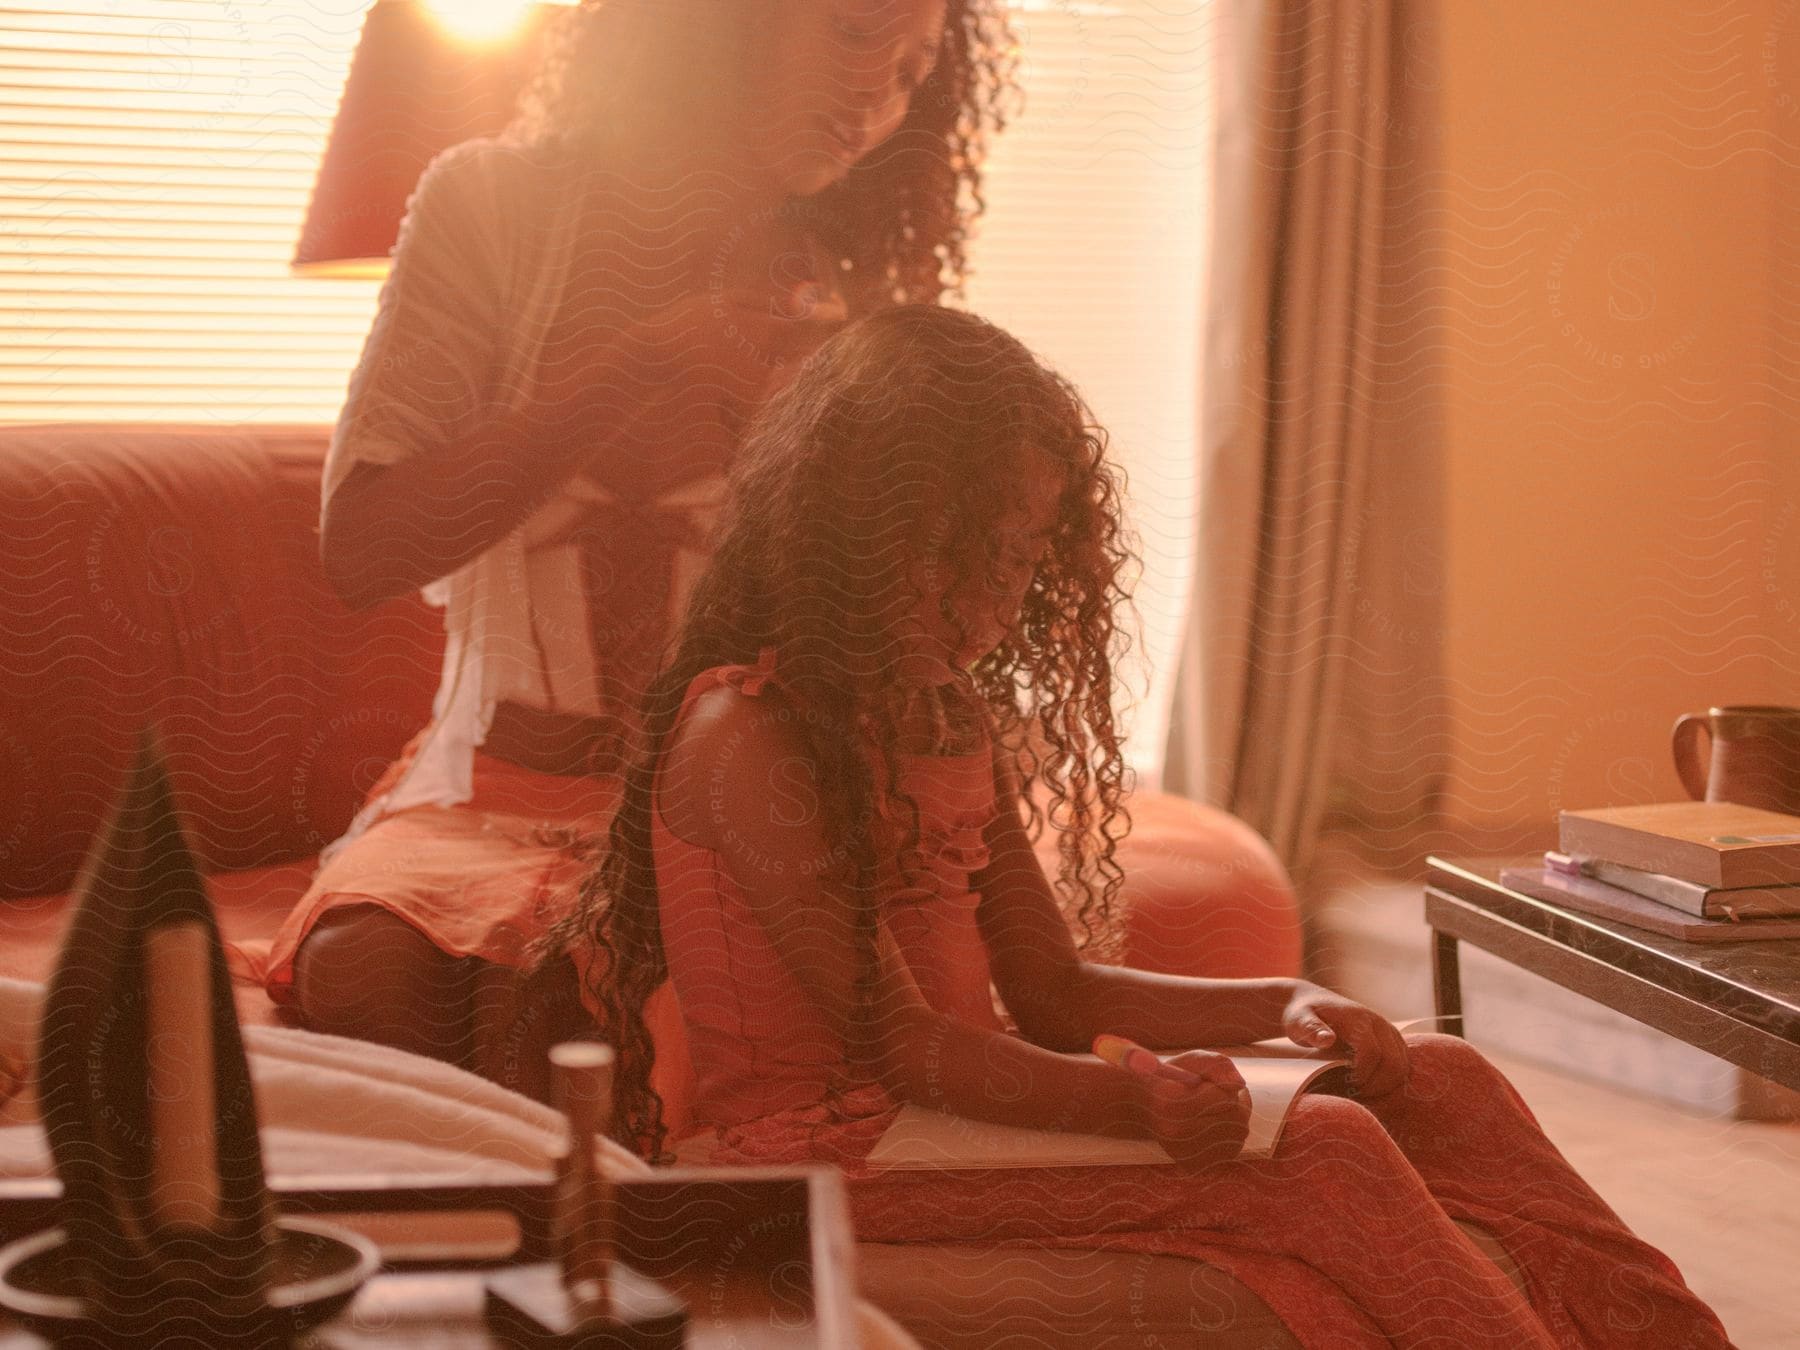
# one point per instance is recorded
(909, 617)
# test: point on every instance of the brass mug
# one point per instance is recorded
(1755, 759)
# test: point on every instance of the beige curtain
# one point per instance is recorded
(1309, 686)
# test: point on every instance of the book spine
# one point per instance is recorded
(1707, 902)
(1685, 896)
(1678, 858)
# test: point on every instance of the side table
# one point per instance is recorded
(1738, 1000)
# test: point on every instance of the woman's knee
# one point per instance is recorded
(363, 971)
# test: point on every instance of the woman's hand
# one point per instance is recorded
(641, 403)
(1202, 1123)
(1318, 1018)
(680, 382)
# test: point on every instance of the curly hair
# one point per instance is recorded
(877, 480)
(897, 224)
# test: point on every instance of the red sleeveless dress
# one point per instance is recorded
(759, 1052)
(1347, 1233)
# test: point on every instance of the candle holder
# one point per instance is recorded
(586, 1298)
(316, 1271)
(166, 1233)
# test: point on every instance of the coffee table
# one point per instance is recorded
(1737, 1000)
(761, 1256)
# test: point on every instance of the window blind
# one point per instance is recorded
(1092, 252)
(156, 157)
(155, 161)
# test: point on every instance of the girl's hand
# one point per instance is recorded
(1200, 1124)
(1318, 1018)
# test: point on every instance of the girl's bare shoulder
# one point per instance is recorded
(726, 755)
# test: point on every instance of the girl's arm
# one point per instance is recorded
(737, 780)
(1062, 1001)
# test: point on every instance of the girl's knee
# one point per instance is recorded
(1437, 1062)
(1437, 1047)
(1320, 1126)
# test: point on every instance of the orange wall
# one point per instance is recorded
(1623, 317)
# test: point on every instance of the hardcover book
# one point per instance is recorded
(1713, 844)
(1585, 895)
(1706, 902)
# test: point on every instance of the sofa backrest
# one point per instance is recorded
(169, 573)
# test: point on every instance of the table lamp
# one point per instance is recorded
(426, 75)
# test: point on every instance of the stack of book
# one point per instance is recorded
(1703, 871)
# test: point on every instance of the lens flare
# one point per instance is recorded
(479, 20)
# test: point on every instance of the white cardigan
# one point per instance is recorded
(478, 270)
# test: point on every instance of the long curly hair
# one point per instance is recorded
(897, 225)
(874, 482)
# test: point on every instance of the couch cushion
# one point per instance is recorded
(249, 905)
(171, 573)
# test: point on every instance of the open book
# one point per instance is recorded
(1276, 1072)
(921, 1138)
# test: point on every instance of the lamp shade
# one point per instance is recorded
(416, 86)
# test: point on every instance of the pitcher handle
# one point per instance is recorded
(1684, 740)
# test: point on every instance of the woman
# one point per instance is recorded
(580, 315)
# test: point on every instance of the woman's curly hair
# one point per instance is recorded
(898, 223)
(879, 477)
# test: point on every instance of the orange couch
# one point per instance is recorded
(171, 572)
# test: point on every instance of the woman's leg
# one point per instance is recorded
(516, 1017)
(1483, 1155)
(364, 972)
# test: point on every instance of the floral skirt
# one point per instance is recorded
(479, 879)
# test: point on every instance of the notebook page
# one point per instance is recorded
(921, 1138)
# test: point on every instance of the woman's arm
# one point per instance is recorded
(412, 473)
(390, 528)
(431, 461)
(687, 375)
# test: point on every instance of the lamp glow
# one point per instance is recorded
(479, 21)
(422, 79)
